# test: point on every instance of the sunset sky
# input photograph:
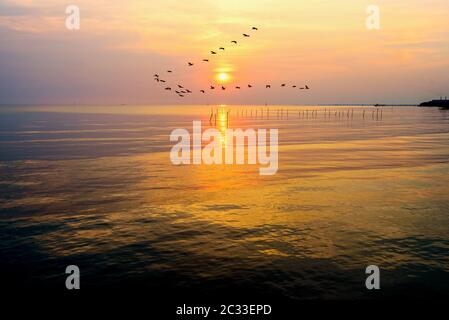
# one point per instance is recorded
(322, 43)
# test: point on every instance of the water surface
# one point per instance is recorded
(94, 186)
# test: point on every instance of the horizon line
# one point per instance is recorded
(203, 104)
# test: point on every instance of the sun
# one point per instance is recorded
(223, 77)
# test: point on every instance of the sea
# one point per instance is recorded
(356, 186)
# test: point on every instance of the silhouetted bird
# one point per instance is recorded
(254, 28)
(268, 86)
(202, 91)
(213, 52)
(222, 48)
(181, 96)
(250, 86)
(167, 88)
(237, 87)
(190, 64)
(188, 91)
(212, 88)
(169, 71)
(177, 92)
(180, 87)
(294, 87)
(223, 88)
(307, 87)
(283, 85)
(234, 42)
(246, 35)
(206, 60)
(163, 81)
(156, 76)
(157, 79)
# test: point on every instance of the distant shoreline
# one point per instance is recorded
(441, 103)
(210, 104)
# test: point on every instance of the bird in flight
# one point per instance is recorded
(283, 85)
(254, 28)
(213, 52)
(222, 48)
(206, 60)
(181, 96)
(157, 79)
(212, 88)
(180, 87)
(294, 87)
(223, 88)
(168, 89)
(238, 88)
(188, 91)
(156, 76)
(250, 86)
(234, 42)
(163, 81)
(190, 64)
(307, 87)
(246, 35)
(202, 91)
(268, 86)
(169, 71)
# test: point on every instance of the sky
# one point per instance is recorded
(325, 44)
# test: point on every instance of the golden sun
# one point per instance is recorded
(223, 77)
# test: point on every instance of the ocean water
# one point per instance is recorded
(94, 187)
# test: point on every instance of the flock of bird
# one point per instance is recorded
(181, 91)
